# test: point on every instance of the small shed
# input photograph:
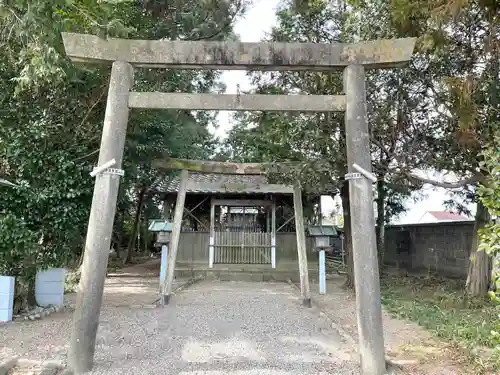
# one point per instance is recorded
(235, 220)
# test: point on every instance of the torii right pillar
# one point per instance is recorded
(366, 272)
(360, 177)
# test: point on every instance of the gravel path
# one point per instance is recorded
(223, 328)
(211, 328)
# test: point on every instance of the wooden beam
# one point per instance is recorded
(199, 204)
(194, 217)
(209, 166)
(233, 55)
(242, 202)
(320, 214)
(301, 246)
(166, 210)
(221, 187)
(286, 222)
(224, 102)
(190, 212)
(174, 243)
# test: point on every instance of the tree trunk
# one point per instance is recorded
(478, 277)
(119, 234)
(320, 213)
(80, 260)
(381, 194)
(346, 207)
(31, 292)
(145, 233)
(135, 226)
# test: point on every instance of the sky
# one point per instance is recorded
(257, 22)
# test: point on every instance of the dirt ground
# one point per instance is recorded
(407, 344)
(134, 288)
(133, 291)
(210, 328)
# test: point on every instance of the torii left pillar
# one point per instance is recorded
(102, 214)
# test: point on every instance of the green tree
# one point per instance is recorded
(459, 42)
(489, 194)
(157, 134)
(315, 140)
(52, 114)
(319, 139)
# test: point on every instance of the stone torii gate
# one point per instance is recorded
(124, 55)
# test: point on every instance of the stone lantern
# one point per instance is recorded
(321, 235)
(163, 229)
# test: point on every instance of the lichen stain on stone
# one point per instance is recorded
(244, 58)
(181, 165)
(89, 47)
(308, 54)
(222, 54)
(379, 51)
(278, 58)
(383, 50)
(252, 169)
(349, 54)
(148, 50)
(255, 57)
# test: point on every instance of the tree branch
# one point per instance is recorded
(390, 155)
(447, 185)
(86, 155)
(91, 108)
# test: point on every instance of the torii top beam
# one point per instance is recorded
(231, 55)
(209, 166)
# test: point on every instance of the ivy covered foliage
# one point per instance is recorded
(490, 234)
(490, 196)
(51, 115)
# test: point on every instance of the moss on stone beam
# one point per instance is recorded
(208, 166)
(233, 55)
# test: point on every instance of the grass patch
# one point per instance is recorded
(441, 306)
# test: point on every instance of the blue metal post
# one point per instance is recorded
(164, 264)
(322, 272)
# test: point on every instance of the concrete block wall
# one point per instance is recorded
(49, 287)
(7, 289)
(439, 247)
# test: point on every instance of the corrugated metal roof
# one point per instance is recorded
(159, 225)
(172, 186)
(229, 184)
(322, 230)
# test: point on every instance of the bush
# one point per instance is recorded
(19, 251)
(18, 247)
(489, 193)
